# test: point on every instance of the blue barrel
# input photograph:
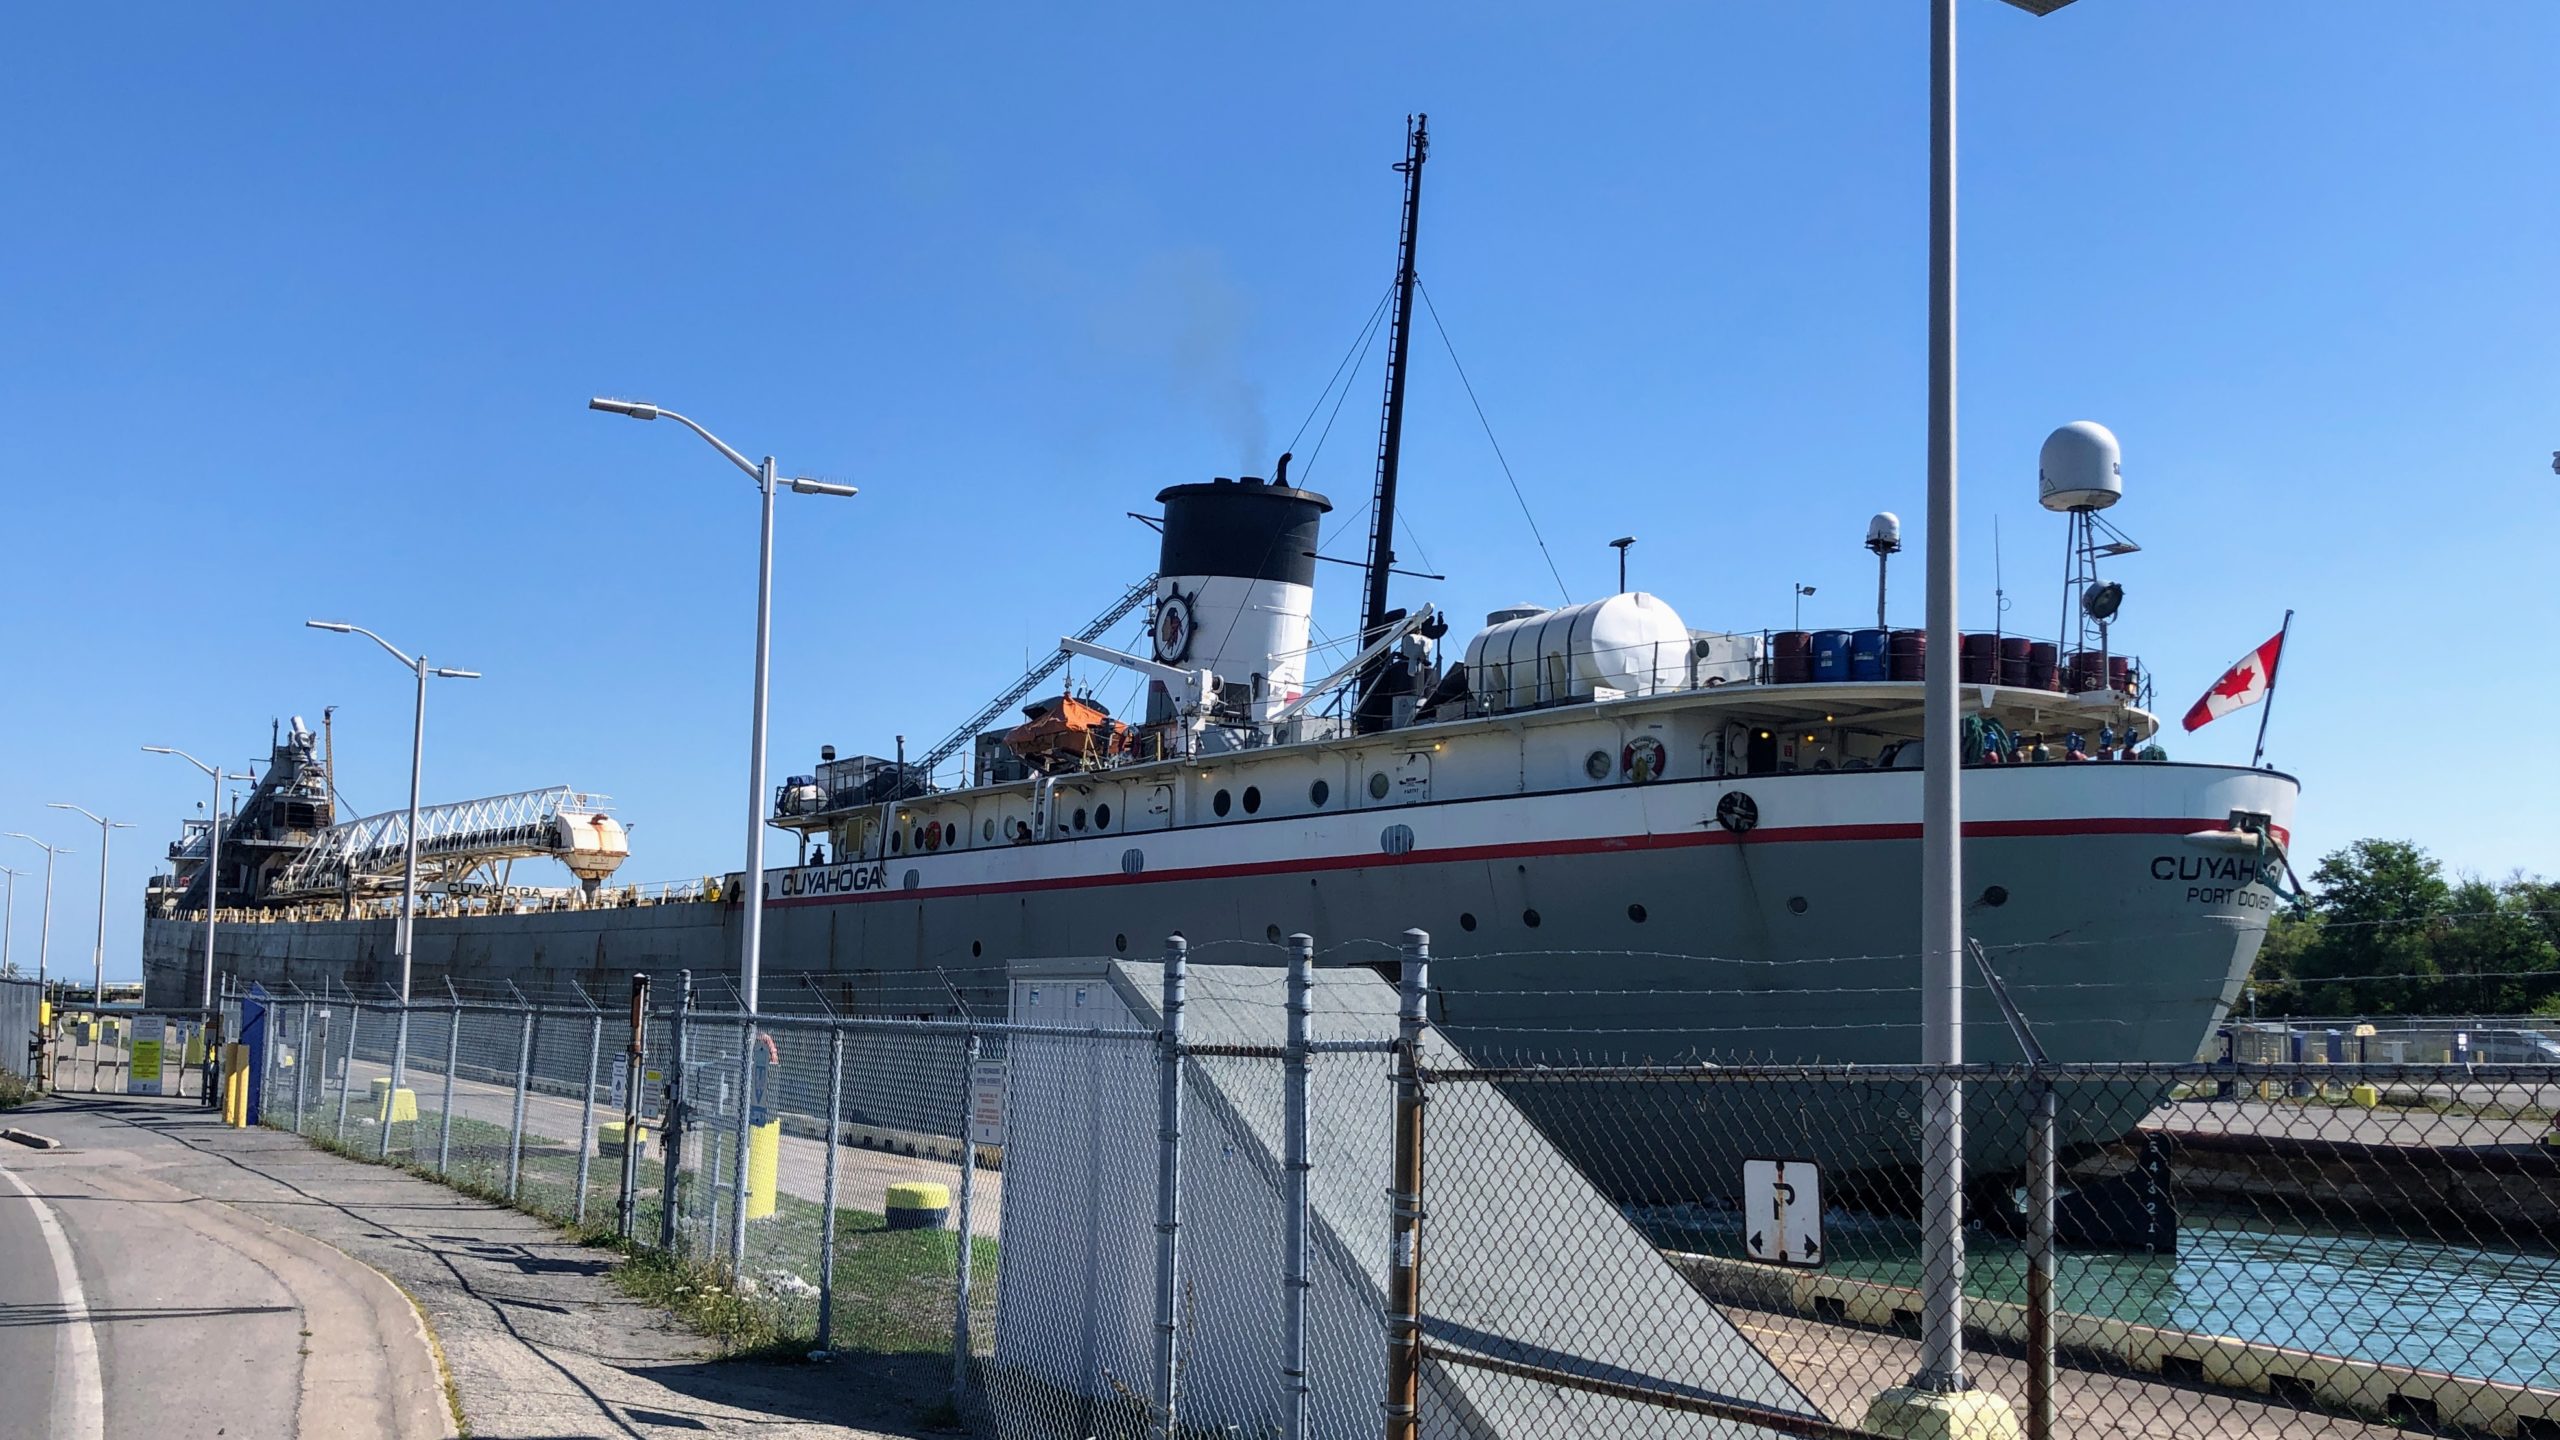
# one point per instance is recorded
(1866, 654)
(1830, 655)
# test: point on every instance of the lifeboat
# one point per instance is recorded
(1067, 733)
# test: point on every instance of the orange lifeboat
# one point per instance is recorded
(1068, 733)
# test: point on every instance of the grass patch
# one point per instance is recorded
(14, 1092)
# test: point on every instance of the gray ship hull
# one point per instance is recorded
(2125, 938)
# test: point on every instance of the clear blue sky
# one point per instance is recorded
(303, 305)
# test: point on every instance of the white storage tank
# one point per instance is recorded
(1632, 644)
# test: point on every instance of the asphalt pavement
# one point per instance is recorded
(130, 1306)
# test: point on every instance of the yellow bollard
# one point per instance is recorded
(764, 1167)
(918, 1205)
(609, 1138)
(235, 1086)
(2365, 1096)
(399, 1108)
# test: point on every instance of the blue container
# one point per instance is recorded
(1867, 654)
(1830, 655)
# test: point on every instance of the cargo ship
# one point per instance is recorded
(1625, 834)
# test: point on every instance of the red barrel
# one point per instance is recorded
(2120, 674)
(1793, 650)
(1978, 660)
(2013, 659)
(2088, 671)
(2041, 658)
(1907, 655)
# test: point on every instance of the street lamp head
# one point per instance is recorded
(803, 485)
(1622, 542)
(632, 408)
(338, 627)
(158, 750)
(457, 674)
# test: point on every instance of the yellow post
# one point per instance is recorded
(764, 1167)
(235, 1086)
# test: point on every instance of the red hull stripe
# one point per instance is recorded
(1535, 849)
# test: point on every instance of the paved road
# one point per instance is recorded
(131, 1307)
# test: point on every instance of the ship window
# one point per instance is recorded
(987, 828)
(1271, 933)
(1120, 943)
(1221, 804)
(1467, 920)
(1636, 913)
(911, 882)
(1396, 839)
(1102, 816)
(950, 833)
(1995, 896)
(1378, 785)
(897, 841)
(1132, 860)
(1318, 793)
(1529, 918)
(1079, 817)
(1596, 765)
(1796, 904)
(1252, 798)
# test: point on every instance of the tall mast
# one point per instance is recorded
(1382, 520)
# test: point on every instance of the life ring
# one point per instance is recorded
(1643, 759)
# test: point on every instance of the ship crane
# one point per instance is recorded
(457, 840)
(1138, 594)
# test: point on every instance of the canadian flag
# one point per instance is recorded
(2241, 686)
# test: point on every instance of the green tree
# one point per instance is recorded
(2495, 950)
(2373, 952)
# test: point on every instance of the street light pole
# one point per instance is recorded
(9, 922)
(1620, 545)
(751, 916)
(106, 832)
(406, 934)
(44, 936)
(212, 861)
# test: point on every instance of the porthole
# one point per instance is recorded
(1995, 896)
(1529, 918)
(1396, 840)
(1120, 943)
(1102, 816)
(897, 841)
(950, 833)
(987, 828)
(1252, 798)
(1271, 933)
(976, 949)
(1318, 793)
(1796, 904)
(1467, 920)
(1597, 765)
(1132, 860)
(1221, 804)
(911, 882)
(1378, 785)
(1636, 913)
(1080, 817)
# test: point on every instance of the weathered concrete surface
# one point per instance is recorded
(537, 1339)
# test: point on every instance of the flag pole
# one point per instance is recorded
(2269, 707)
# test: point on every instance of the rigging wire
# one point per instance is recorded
(1523, 500)
(1350, 357)
(1368, 337)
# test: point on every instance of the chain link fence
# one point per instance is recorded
(1175, 1199)
(21, 1039)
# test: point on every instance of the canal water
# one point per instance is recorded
(2483, 1313)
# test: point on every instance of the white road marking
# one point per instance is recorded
(79, 1394)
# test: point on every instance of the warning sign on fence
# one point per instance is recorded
(144, 1076)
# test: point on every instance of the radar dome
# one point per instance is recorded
(1884, 533)
(2080, 468)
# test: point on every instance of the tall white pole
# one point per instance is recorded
(406, 941)
(106, 832)
(751, 949)
(44, 936)
(212, 886)
(9, 925)
(1941, 874)
(751, 941)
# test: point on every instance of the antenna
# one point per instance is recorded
(2080, 472)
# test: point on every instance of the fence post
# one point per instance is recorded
(302, 1064)
(1404, 1251)
(827, 1222)
(671, 1151)
(452, 1062)
(1169, 1056)
(587, 1117)
(960, 1342)
(2041, 1157)
(1293, 1205)
(638, 1055)
(391, 1090)
(347, 1067)
(515, 1125)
